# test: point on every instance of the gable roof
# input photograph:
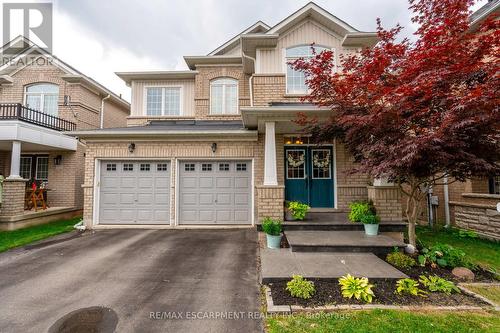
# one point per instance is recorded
(257, 27)
(72, 75)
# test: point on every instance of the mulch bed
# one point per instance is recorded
(328, 293)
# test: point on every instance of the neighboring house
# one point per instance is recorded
(470, 204)
(41, 98)
(217, 145)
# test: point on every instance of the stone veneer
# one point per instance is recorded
(478, 212)
(270, 202)
(12, 198)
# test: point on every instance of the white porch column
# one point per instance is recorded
(15, 160)
(270, 172)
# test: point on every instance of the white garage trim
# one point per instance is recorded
(200, 159)
(97, 180)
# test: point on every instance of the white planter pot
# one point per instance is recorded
(371, 229)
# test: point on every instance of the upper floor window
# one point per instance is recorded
(42, 97)
(163, 101)
(295, 80)
(224, 96)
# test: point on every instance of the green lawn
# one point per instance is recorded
(15, 238)
(490, 292)
(481, 251)
(386, 321)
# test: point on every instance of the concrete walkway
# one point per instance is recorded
(283, 263)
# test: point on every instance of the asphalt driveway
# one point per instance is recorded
(150, 281)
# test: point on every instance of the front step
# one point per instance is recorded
(341, 226)
(340, 241)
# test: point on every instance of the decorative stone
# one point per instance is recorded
(463, 273)
(410, 249)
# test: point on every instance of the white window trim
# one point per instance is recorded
(305, 165)
(36, 166)
(329, 166)
(224, 98)
(285, 65)
(145, 101)
(30, 164)
(42, 96)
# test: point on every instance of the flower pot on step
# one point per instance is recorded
(371, 229)
(273, 242)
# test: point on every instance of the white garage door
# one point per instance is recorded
(215, 192)
(134, 192)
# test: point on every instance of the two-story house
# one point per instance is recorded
(217, 145)
(42, 98)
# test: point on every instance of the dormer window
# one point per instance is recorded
(224, 96)
(295, 80)
(42, 97)
(163, 101)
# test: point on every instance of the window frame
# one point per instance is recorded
(42, 97)
(37, 165)
(223, 113)
(286, 59)
(163, 89)
(30, 165)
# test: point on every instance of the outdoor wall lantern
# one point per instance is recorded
(58, 160)
(214, 147)
(131, 147)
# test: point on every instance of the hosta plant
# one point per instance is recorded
(359, 288)
(300, 287)
(437, 284)
(410, 287)
(444, 255)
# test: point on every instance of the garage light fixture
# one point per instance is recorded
(214, 147)
(131, 147)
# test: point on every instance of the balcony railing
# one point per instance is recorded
(18, 111)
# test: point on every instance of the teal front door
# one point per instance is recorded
(309, 175)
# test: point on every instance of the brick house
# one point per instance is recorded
(216, 144)
(41, 98)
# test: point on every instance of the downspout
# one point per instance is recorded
(102, 110)
(446, 202)
(250, 80)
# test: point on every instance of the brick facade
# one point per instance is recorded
(387, 201)
(65, 180)
(12, 198)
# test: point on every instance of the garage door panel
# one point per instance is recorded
(206, 182)
(241, 199)
(215, 192)
(134, 192)
(241, 182)
(223, 182)
(206, 199)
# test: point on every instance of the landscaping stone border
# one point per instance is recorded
(463, 288)
(288, 309)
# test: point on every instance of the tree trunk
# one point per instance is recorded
(412, 211)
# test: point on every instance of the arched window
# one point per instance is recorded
(42, 97)
(295, 80)
(224, 96)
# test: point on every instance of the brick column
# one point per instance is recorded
(13, 197)
(387, 201)
(270, 200)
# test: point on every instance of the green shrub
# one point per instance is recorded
(462, 233)
(360, 288)
(410, 287)
(298, 209)
(437, 284)
(444, 255)
(271, 227)
(300, 287)
(400, 260)
(370, 219)
(360, 209)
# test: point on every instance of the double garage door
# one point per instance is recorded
(210, 192)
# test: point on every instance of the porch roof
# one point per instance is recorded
(283, 114)
(34, 137)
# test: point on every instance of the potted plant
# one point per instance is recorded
(370, 222)
(296, 211)
(360, 209)
(272, 229)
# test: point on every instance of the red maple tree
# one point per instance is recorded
(415, 112)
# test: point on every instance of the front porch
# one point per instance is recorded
(37, 163)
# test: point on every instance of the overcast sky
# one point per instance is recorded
(100, 37)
